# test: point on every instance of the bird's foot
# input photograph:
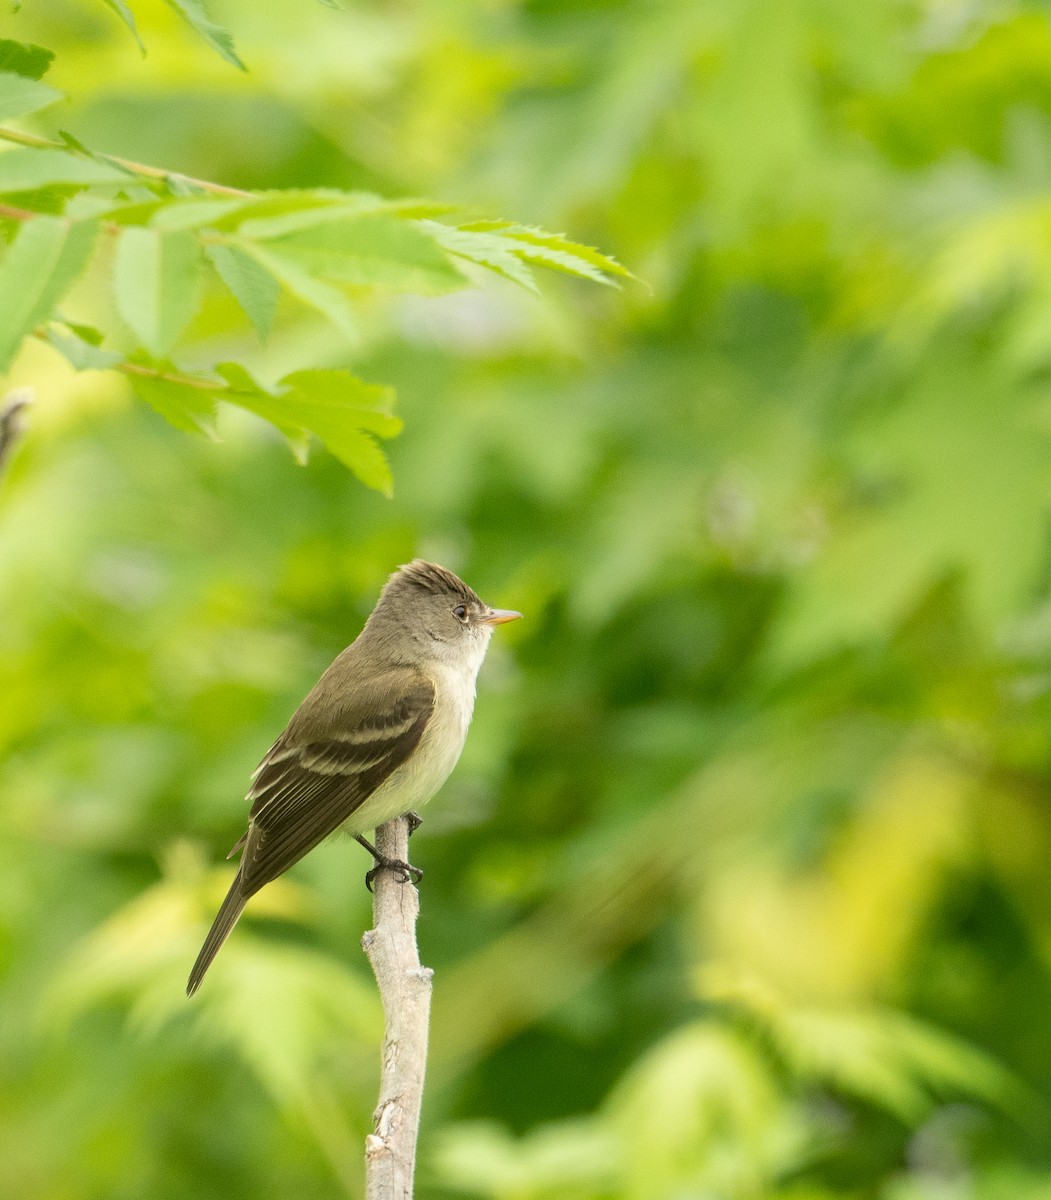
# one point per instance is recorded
(404, 872)
(414, 820)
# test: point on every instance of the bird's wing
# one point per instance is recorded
(314, 777)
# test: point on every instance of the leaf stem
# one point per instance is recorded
(129, 368)
(136, 168)
(193, 381)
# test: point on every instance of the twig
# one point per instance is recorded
(127, 164)
(12, 424)
(405, 989)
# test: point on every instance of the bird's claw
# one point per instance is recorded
(404, 872)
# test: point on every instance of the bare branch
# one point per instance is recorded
(12, 421)
(405, 989)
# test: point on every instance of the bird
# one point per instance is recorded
(375, 738)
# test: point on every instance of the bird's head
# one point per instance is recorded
(445, 616)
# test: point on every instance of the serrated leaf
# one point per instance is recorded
(128, 17)
(253, 287)
(485, 250)
(326, 299)
(20, 95)
(23, 58)
(553, 250)
(344, 411)
(218, 37)
(25, 170)
(156, 278)
(42, 262)
(335, 392)
(245, 392)
(556, 241)
(347, 414)
(372, 251)
(81, 346)
(189, 408)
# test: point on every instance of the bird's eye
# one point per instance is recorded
(460, 612)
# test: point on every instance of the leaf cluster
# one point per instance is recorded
(161, 240)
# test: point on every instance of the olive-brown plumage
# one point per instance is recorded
(375, 738)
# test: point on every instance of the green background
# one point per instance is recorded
(741, 888)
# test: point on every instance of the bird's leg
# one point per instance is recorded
(415, 821)
(405, 872)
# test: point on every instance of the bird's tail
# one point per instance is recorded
(225, 920)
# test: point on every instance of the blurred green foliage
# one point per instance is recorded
(740, 889)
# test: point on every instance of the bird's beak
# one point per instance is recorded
(500, 616)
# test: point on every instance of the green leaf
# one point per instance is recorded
(169, 213)
(282, 213)
(275, 213)
(219, 38)
(347, 414)
(485, 250)
(25, 170)
(344, 411)
(81, 346)
(188, 407)
(51, 201)
(278, 203)
(553, 250)
(505, 248)
(244, 392)
(42, 262)
(128, 17)
(87, 333)
(141, 211)
(72, 143)
(253, 287)
(156, 279)
(23, 58)
(20, 95)
(196, 212)
(326, 299)
(372, 251)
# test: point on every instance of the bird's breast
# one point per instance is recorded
(413, 783)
